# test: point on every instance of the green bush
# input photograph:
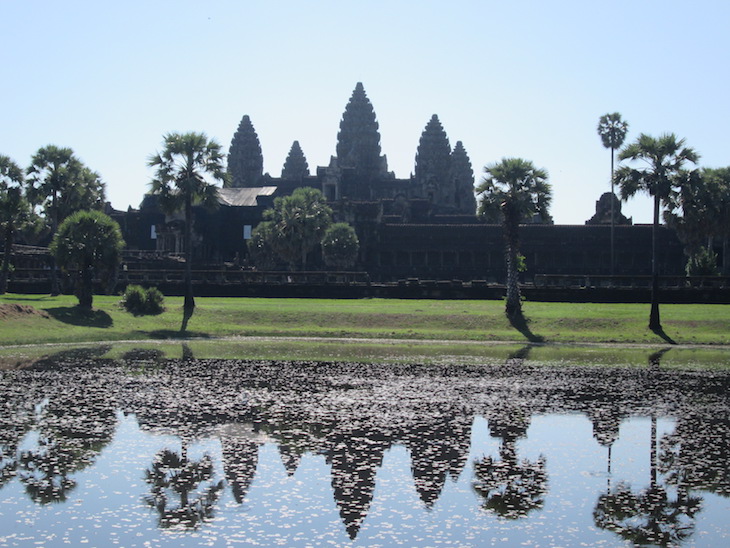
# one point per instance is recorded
(703, 263)
(141, 302)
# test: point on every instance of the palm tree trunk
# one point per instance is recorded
(654, 321)
(189, 303)
(55, 286)
(7, 250)
(513, 306)
(86, 292)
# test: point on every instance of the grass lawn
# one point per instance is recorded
(413, 329)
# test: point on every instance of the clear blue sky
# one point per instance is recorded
(518, 78)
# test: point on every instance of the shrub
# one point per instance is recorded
(703, 263)
(140, 301)
(340, 246)
(154, 301)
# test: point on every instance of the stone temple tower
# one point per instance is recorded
(358, 144)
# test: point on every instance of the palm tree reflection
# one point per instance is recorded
(510, 488)
(650, 516)
(181, 490)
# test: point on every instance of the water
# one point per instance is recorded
(150, 452)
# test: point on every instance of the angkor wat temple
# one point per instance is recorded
(424, 226)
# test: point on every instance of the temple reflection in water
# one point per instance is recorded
(57, 419)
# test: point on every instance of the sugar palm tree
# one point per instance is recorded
(299, 222)
(182, 169)
(612, 130)
(15, 212)
(59, 184)
(658, 169)
(519, 190)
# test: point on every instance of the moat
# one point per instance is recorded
(143, 450)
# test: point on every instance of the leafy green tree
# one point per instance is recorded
(261, 245)
(87, 241)
(15, 212)
(700, 212)
(612, 130)
(299, 222)
(180, 181)
(340, 246)
(519, 190)
(659, 170)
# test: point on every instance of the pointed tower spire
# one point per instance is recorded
(245, 161)
(433, 162)
(462, 175)
(358, 141)
(295, 166)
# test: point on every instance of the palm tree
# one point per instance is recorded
(182, 167)
(612, 130)
(519, 190)
(299, 222)
(660, 171)
(59, 183)
(15, 212)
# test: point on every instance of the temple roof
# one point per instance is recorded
(246, 196)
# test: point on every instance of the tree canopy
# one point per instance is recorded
(59, 184)
(15, 212)
(340, 246)
(298, 224)
(87, 241)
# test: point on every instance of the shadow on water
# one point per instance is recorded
(144, 355)
(71, 356)
(521, 324)
(75, 315)
(655, 359)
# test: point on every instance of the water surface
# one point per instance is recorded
(146, 451)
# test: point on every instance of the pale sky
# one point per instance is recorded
(523, 79)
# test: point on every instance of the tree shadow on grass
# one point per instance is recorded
(37, 299)
(173, 334)
(183, 333)
(76, 315)
(660, 333)
(520, 323)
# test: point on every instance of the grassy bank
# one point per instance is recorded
(57, 319)
(448, 332)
